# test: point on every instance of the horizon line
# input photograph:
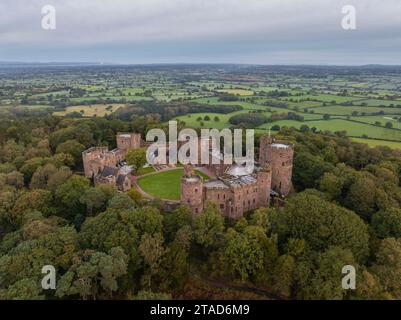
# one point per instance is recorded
(92, 63)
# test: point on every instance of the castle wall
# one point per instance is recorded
(220, 196)
(264, 182)
(94, 160)
(245, 199)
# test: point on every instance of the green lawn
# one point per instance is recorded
(166, 184)
(145, 170)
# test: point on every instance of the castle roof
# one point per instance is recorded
(280, 145)
(228, 181)
(240, 170)
(215, 184)
(109, 171)
(241, 181)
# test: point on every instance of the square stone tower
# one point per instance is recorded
(95, 159)
(128, 141)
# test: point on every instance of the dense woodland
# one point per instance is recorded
(345, 209)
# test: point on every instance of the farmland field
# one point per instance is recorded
(361, 103)
(98, 110)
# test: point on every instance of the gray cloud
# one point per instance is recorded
(279, 26)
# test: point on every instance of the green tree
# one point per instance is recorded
(387, 223)
(93, 274)
(361, 197)
(283, 277)
(69, 193)
(97, 198)
(152, 250)
(107, 230)
(322, 224)
(324, 276)
(308, 169)
(121, 201)
(25, 289)
(73, 148)
(387, 267)
(208, 225)
(36, 199)
(136, 158)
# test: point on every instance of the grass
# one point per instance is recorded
(343, 110)
(100, 110)
(239, 92)
(353, 128)
(326, 98)
(375, 143)
(379, 102)
(165, 184)
(382, 119)
(144, 170)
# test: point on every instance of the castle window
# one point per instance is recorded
(196, 189)
(196, 210)
(224, 196)
(249, 202)
(221, 206)
(253, 200)
(218, 196)
(283, 164)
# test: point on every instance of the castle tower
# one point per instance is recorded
(192, 190)
(94, 160)
(128, 141)
(264, 145)
(264, 182)
(280, 157)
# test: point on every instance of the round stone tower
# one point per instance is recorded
(192, 191)
(280, 157)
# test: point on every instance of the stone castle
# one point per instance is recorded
(106, 166)
(238, 189)
(235, 189)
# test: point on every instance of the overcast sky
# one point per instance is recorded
(202, 31)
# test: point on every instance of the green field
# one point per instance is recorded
(240, 92)
(328, 98)
(382, 119)
(165, 184)
(375, 143)
(352, 128)
(342, 110)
